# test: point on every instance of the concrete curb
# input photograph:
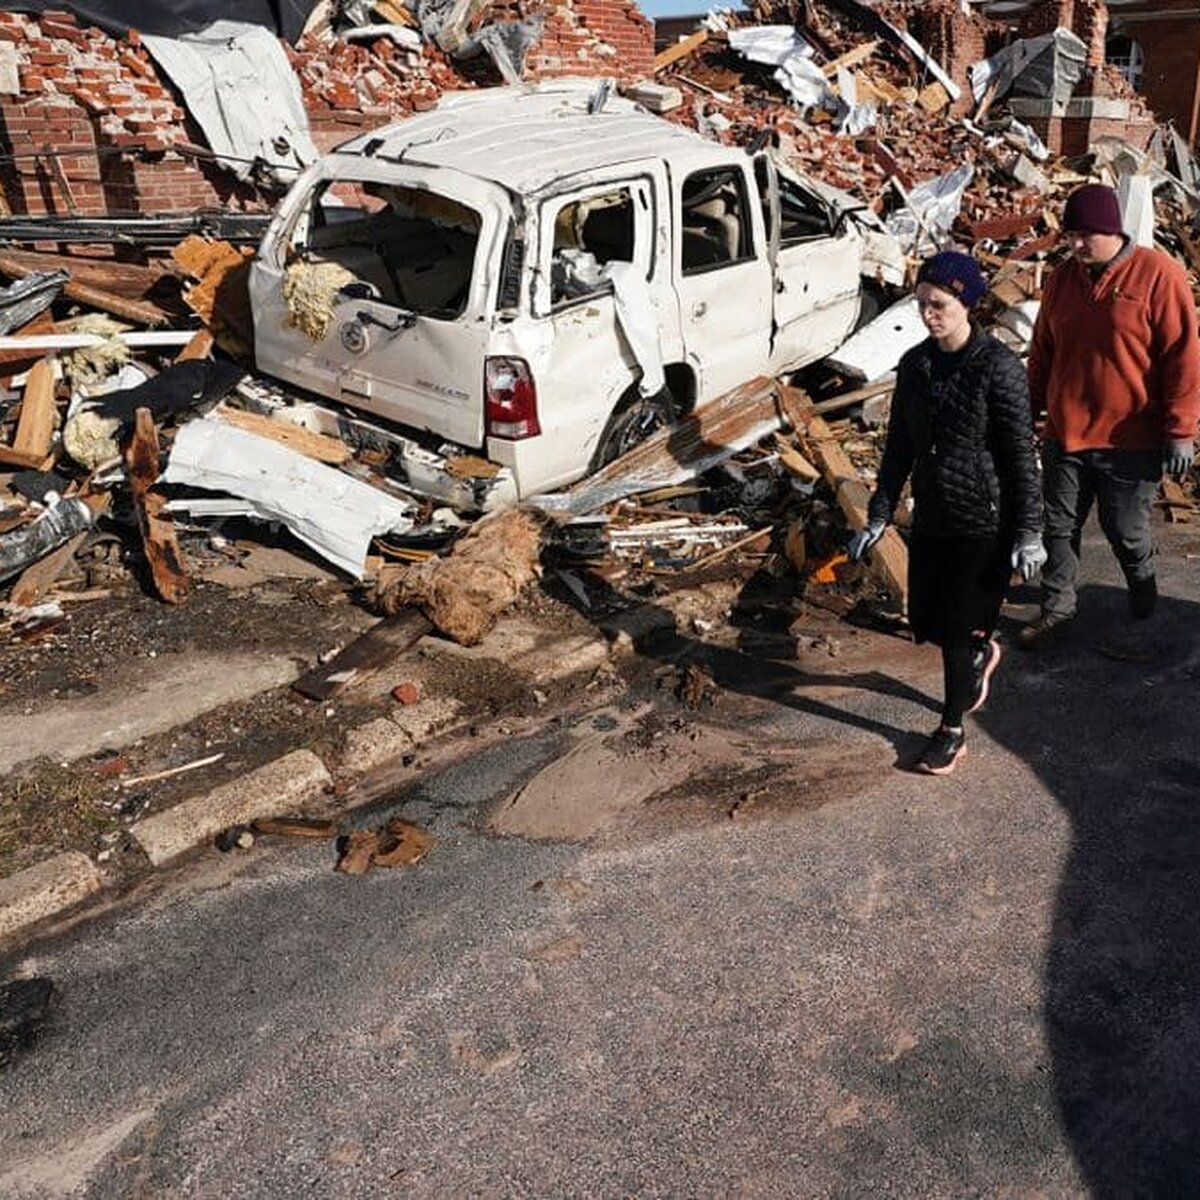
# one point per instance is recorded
(46, 889)
(288, 785)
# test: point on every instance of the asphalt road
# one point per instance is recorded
(873, 984)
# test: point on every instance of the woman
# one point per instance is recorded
(961, 427)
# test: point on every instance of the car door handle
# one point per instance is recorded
(699, 309)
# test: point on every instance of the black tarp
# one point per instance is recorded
(284, 17)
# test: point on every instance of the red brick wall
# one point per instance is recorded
(1171, 58)
(117, 128)
(955, 40)
(593, 37)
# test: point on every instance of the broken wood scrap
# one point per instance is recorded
(303, 827)
(304, 441)
(39, 412)
(398, 844)
(167, 566)
(733, 421)
(220, 295)
(141, 312)
(39, 577)
(851, 58)
(380, 646)
(681, 49)
(889, 557)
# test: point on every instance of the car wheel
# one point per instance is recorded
(632, 424)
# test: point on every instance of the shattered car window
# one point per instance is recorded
(589, 233)
(800, 215)
(716, 220)
(405, 247)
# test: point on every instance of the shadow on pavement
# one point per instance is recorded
(1108, 721)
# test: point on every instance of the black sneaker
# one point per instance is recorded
(984, 663)
(942, 751)
(1143, 594)
(1041, 631)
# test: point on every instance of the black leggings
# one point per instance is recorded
(958, 673)
(956, 586)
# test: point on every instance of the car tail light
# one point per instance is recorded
(511, 407)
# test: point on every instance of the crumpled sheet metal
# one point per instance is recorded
(253, 476)
(931, 209)
(1048, 66)
(22, 301)
(241, 89)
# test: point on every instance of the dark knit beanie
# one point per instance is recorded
(1092, 208)
(958, 273)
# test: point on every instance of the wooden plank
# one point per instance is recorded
(933, 98)
(295, 437)
(38, 578)
(131, 280)
(167, 566)
(39, 412)
(380, 645)
(680, 50)
(142, 312)
(889, 557)
(199, 347)
(850, 59)
(25, 462)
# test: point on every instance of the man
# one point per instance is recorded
(1115, 364)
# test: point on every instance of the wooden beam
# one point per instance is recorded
(39, 577)
(141, 312)
(379, 646)
(295, 437)
(681, 49)
(850, 59)
(39, 412)
(889, 557)
(167, 567)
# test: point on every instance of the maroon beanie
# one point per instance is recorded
(1092, 208)
(957, 273)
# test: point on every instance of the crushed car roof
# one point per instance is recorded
(526, 137)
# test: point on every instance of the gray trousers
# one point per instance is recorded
(1123, 483)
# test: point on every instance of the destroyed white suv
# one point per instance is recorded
(540, 276)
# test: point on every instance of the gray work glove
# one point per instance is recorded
(1177, 457)
(864, 539)
(1029, 554)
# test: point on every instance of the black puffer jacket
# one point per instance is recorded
(966, 437)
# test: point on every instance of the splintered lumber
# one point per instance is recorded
(889, 556)
(143, 312)
(220, 297)
(933, 98)
(380, 645)
(158, 533)
(39, 413)
(850, 59)
(304, 441)
(681, 49)
(40, 577)
(303, 827)
(715, 432)
(131, 281)
(199, 347)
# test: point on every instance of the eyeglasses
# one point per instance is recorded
(935, 305)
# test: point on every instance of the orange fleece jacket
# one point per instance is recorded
(1115, 361)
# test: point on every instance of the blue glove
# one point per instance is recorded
(1029, 554)
(864, 539)
(1177, 457)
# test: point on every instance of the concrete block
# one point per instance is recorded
(657, 97)
(426, 718)
(45, 889)
(289, 785)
